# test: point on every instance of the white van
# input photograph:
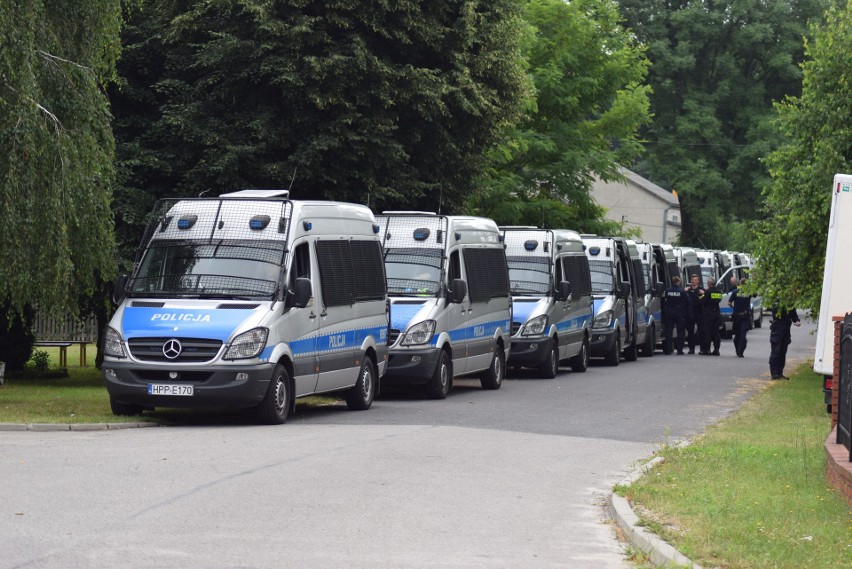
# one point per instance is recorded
(618, 292)
(552, 299)
(250, 300)
(687, 260)
(451, 311)
(659, 265)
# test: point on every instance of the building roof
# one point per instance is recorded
(650, 187)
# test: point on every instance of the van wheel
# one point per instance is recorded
(360, 397)
(124, 409)
(650, 342)
(580, 362)
(275, 407)
(493, 377)
(614, 356)
(439, 385)
(759, 322)
(550, 367)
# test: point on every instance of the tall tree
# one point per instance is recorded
(816, 125)
(384, 102)
(717, 67)
(580, 122)
(56, 150)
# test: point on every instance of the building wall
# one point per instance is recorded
(641, 204)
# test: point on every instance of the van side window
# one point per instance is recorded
(455, 267)
(300, 267)
(559, 272)
(640, 277)
(487, 274)
(351, 271)
(577, 273)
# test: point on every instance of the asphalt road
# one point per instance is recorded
(513, 478)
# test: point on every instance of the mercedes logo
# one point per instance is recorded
(172, 349)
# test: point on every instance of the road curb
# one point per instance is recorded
(659, 552)
(45, 427)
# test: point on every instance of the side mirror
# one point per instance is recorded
(659, 289)
(459, 291)
(119, 291)
(302, 293)
(564, 291)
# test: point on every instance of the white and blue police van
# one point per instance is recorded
(659, 265)
(551, 299)
(618, 293)
(250, 300)
(451, 311)
(689, 263)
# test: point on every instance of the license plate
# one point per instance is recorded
(170, 389)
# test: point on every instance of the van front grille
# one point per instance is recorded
(192, 350)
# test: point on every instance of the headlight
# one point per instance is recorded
(113, 344)
(535, 326)
(603, 320)
(248, 344)
(420, 333)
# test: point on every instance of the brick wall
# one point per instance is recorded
(838, 468)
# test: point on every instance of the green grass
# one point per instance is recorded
(80, 396)
(751, 492)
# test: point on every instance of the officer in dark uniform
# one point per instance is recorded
(779, 339)
(695, 320)
(676, 309)
(742, 318)
(712, 318)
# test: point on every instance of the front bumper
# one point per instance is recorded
(531, 352)
(213, 386)
(602, 342)
(411, 367)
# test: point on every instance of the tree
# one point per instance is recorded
(817, 128)
(717, 67)
(56, 151)
(581, 121)
(389, 103)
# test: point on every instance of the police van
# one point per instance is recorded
(552, 299)
(250, 300)
(618, 291)
(451, 310)
(687, 260)
(659, 266)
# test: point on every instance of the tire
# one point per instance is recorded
(580, 362)
(647, 349)
(550, 368)
(441, 382)
(613, 358)
(275, 407)
(360, 396)
(759, 322)
(493, 377)
(124, 409)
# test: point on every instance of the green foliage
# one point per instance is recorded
(56, 149)
(389, 103)
(40, 360)
(818, 129)
(717, 68)
(588, 105)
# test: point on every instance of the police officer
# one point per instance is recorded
(695, 320)
(676, 309)
(742, 318)
(710, 301)
(779, 339)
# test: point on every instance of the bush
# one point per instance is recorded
(40, 360)
(16, 339)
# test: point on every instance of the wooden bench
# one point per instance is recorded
(63, 351)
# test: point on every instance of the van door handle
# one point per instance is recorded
(312, 316)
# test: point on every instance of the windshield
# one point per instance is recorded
(602, 279)
(239, 268)
(413, 272)
(529, 275)
(707, 272)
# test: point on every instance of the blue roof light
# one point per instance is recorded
(187, 221)
(595, 251)
(258, 222)
(531, 245)
(421, 234)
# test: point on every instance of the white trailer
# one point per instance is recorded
(837, 274)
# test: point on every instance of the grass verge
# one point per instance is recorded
(751, 492)
(78, 395)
